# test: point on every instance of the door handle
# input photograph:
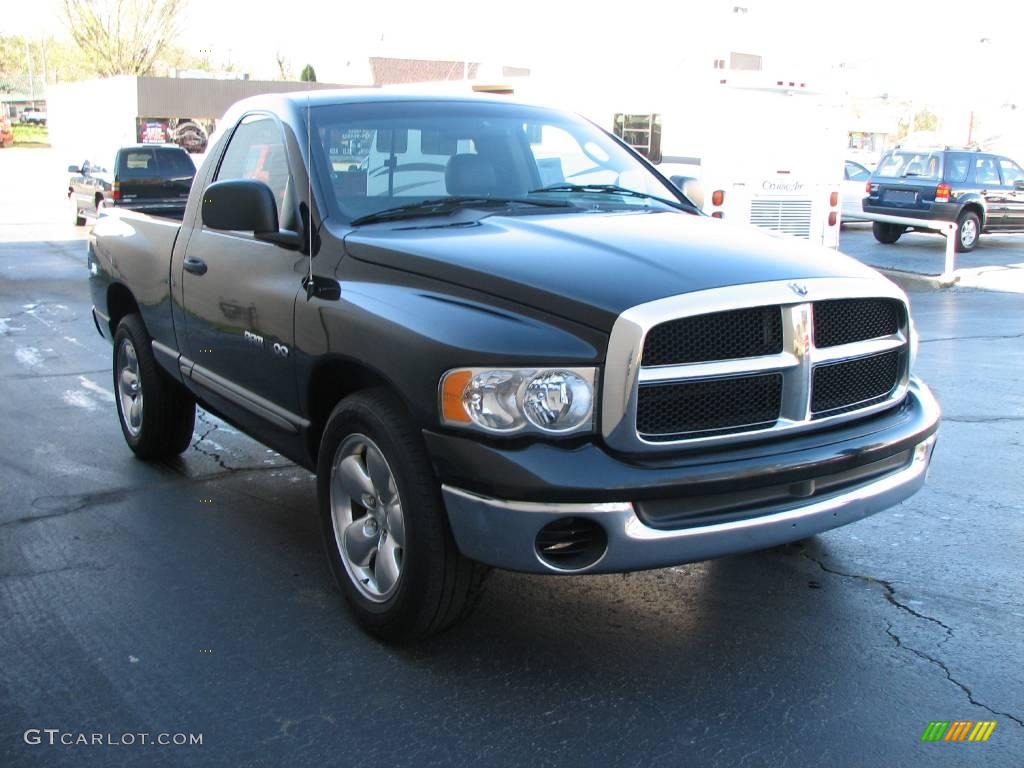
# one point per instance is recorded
(195, 266)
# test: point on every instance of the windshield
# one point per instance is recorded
(923, 165)
(380, 156)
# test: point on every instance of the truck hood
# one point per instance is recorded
(590, 267)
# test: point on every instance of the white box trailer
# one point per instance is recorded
(767, 152)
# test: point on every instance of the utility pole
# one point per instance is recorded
(31, 77)
(42, 53)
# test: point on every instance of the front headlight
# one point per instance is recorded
(505, 401)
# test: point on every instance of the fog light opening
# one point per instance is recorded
(571, 543)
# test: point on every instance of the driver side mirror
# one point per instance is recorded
(690, 187)
(1018, 185)
(246, 205)
(74, 169)
(240, 205)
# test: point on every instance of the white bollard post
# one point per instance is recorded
(947, 272)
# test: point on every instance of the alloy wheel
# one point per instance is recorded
(129, 386)
(366, 510)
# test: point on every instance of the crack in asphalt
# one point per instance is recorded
(217, 456)
(22, 376)
(890, 597)
(64, 569)
(949, 675)
(201, 416)
(60, 506)
(889, 594)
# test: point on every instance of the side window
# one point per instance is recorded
(1010, 170)
(985, 171)
(257, 152)
(957, 168)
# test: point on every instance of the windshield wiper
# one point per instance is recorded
(441, 206)
(613, 189)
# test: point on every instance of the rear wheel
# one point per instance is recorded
(887, 233)
(157, 414)
(384, 524)
(968, 229)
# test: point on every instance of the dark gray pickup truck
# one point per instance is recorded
(500, 338)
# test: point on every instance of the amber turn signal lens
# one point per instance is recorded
(833, 199)
(451, 396)
(718, 197)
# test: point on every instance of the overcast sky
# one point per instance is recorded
(930, 50)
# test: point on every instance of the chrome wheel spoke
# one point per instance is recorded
(380, 476)
(361, 542)
(135, 412)
(395, 522)
(352, 480)
(129, 381)
(387, 566)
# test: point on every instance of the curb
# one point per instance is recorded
(915, 280)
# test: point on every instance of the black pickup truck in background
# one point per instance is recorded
(145, 177)
(500, 338)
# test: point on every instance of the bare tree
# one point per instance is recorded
(283, 67)
(123, 37)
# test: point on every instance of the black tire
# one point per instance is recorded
(887, 233)
(76, 214)
(968, 231)
(166, 411)
(435, 586)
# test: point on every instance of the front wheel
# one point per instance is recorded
(887, 233)
(968, 228)
(384, 524)
(157, 414)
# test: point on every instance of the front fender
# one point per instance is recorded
(410, 331)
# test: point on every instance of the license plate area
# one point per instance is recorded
(903, 196)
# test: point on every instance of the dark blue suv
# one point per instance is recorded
(980, 191)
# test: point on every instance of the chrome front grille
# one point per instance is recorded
(750, 332)
(751, 361)
(708, 406)
(790, 217)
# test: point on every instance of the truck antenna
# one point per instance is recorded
(309, 195)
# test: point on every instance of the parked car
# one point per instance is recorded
(6, 133)
(854, 177)
(33, 117)
(487, 366)
(143, 177)
(979, 191)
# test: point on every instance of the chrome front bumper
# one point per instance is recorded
(503, 533)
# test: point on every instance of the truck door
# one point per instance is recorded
(239, 293)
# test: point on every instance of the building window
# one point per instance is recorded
(719, 63)
(641, 132)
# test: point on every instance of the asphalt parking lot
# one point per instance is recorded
(192, 596)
